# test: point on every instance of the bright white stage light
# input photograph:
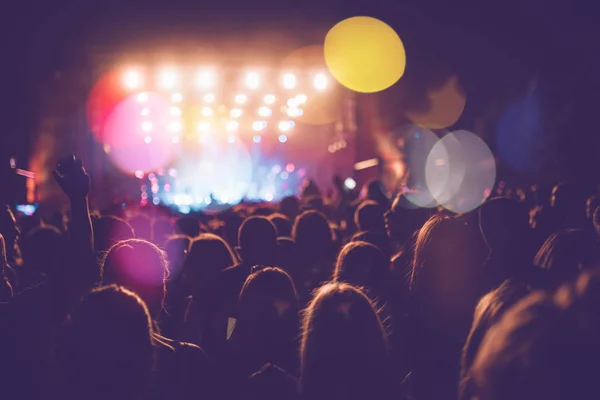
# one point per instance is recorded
(175, 111)
(168, 79)
(320, 81)
(259, 125)
(282, 138)
(148, 139)
(205, 79)
(204, 127)
(285, 126)
(209, 97)
(142, 97)
(175, 126)
(256, 139)
(253, 80)
(292, 103)
(132, 79)
(146, 126)
(289, 81)
(264, 111)
(236, 112)
(232, 126)
(177, 98)
(240, 98)
(294, 112)
(350, 183)
(269, 99)
(207, 111)
(301, 98)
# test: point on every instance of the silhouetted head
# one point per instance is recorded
(546, 347)
(290, 207)
(286, 253)
(188, 226)
(267, 309)
(380, 240)
(231, 228)
(283, 225)
(364, 265)
(375, 191)
(404, 219)
(489, 311)
(44, 251)
(369, 216)
(208, 256)
(566, 253)
(105, 349)
(139, 266)
(344, 352)
(257, 240)
(108, 231)
(313, 236)
(9, 229)
(177, 248)
(568, 200)
(142, 226)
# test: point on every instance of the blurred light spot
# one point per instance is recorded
(177, 97)
(256, 139)
(468, 169)
(142, 97)
(172, 172)
(289, 80)
(156, 201)
(106, 148)
(446, 105)
(145, 112)
(236, 112)
(207, 111)
(175, 139)
(350, 183)
(282, 138)
(175, 126)
(264, 111)
(252, 80)
(269, 99)
(232, 126)
(269, 197)
(139, 174)
(209, 97)
(168, 79)
(320, 81)
(290, 168)
(148, 139)
(175, 111)
(132, 79)
(285, 126)
(284, 175)
(301, 98)
(240, 98)
(364, 54)
(205, 79)
(204, 126)
(231, 139)
(292, 103)
(146, 126)
(259, 125)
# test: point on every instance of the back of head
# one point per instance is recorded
(208, 256)
(267, 308)
(404, 219)
(142, 226)
(257, 241)
(369, 216)
(177, 248)
(504, 223)
(344, 351)
(362, 264)
(187, 226)
(376, 192)
(546, 347)
(105, 349)
(313, 235)
(161, 230)
(566, 253)
(378, 239)
(290, 207)
(282, 223)
(44, 250)
(108, 231)
(139, 266)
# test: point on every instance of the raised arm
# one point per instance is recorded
(75, 183)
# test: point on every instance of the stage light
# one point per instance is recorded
(142, 97)
(232, 126)
(168, 79)
(290, 168)
(252, 80)
(294, 112)
(269, 197)
(285, 126)
(148, 139)
(350, 183)
(282, 138)
(132, 79)
(301, 98)
(264, 111)
(145, 112)
(206, 79)
(236, 112)
(289, 81)
(292, 103)
(204, 126)
(175, 111)
(231, 139)
(259, 125)
(209, 97)
(156, 201)
(269, 99)
(320, 81)
(175, 126)
(176, 97)
(240, 98)
(139, 174)
(284, 175)
(207, 111)
(146, 126)
(256, 139)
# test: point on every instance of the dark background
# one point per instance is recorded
(500, 51)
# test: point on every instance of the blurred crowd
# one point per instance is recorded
(351, 296)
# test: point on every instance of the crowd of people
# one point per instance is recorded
(313, 298)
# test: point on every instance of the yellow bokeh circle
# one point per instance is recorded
(364, 54)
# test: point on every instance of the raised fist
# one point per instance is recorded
(72, 178)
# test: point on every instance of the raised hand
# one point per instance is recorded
(72, 178)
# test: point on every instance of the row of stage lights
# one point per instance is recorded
(206, 79)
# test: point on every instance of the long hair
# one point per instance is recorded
(344, 352)
(141, 267)
(105, 349)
